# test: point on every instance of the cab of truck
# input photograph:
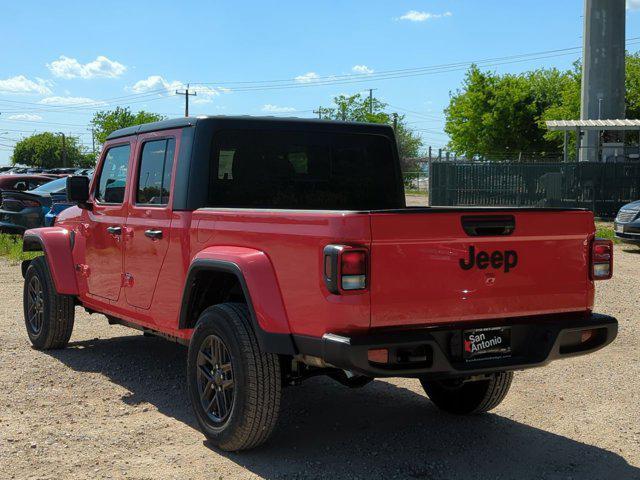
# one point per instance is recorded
(280, 249)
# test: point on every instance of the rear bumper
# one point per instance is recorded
(18, 222)
(535, 342)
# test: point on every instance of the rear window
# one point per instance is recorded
(303, 170)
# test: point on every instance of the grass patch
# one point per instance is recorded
(605, 230)
(409, 191)
(11, 248)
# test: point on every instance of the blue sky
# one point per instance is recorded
(62, 61)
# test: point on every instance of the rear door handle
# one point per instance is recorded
(153, 234)
(114, 230)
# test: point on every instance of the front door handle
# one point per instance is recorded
(114, 230)
(153, 234)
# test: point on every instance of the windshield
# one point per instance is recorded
(55, 186)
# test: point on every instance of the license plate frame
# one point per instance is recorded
(487, 343)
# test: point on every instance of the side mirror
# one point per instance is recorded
(78, 190)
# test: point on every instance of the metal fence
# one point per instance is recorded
(600, 187)
(416, 181)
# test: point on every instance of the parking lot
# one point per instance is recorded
(113, 405)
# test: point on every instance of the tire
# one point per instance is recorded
(241, 414)
(48, 315)
(466, 398)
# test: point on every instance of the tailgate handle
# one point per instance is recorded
(488, 225)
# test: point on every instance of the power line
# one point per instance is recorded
(263, 85)
(397, 73)
(43, 122)
(88, 103)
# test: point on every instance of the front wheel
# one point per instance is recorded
(48, 316)
(234, 387)
(464, 397)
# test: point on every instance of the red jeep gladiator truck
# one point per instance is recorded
(279, 249)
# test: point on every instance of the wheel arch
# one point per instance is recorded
(256, 280)
(56, 243)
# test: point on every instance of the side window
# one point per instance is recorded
(113, 176)
(154, 178)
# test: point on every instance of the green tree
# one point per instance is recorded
(46, 150)
(567, 108)
(107, 121)
(505, 114)
(359, 108)
(494, 113)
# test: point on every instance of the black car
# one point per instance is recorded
(20, 211)
(627, 223)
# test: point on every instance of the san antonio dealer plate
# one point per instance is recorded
(486, 343)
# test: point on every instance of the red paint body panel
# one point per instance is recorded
(56, 243)
(417, 279)
(415, 275)
(143, 256)
(261, 282)
(293, 241)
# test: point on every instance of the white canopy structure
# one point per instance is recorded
(608, 150)
(583, 125)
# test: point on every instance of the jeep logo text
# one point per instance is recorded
(506, 260)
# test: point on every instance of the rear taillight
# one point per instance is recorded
(30, 203)
(345, 268)
(601, 259)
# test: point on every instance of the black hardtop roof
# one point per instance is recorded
(248, 121)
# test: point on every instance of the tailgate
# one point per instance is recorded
(429, 268)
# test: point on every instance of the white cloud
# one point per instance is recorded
(633, 4)
(157, 83)
(21, 84)
(25, 116)
(362, 69)
(71, 101)
(66, 67)
(307, 77)
(270, 108)
(416, 16)
(205, 94)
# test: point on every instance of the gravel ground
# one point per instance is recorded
(113, 405)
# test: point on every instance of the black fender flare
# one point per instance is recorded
(279, 343)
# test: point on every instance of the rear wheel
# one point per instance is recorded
(48, 316)
(463, 397)
(233, 385)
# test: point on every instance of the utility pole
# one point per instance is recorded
(186, 98)
(64, 149)
(319, 112)
(603, 70)
(93, 140)
(371, 100)
(395, 122)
